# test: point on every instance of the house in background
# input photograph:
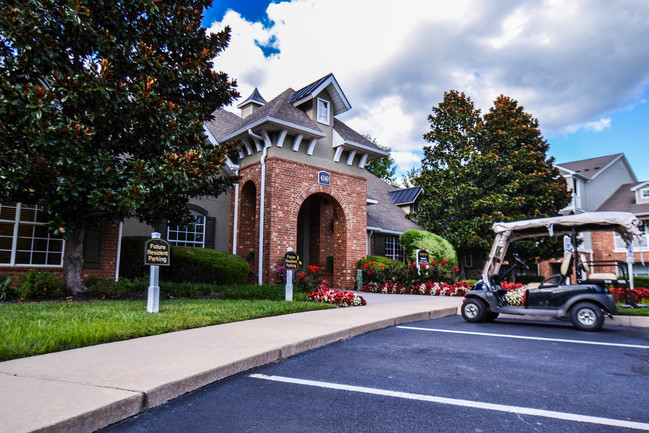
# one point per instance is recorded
(604, 183)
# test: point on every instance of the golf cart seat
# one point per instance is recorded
(560, 278)
(600, 277)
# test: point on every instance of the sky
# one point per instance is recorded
(581, 67)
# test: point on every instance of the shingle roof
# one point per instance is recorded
(349, 134)
(278, 108)
(592, 166)
(405, 196)
(623, 200)
(385, 215)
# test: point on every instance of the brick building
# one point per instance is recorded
(303, 185)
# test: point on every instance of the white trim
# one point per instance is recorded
(608, 165)
(350, 157)
(246, 144)
(279, 122)
(296, 143)
(320, 88)
(339, 151)
(638, 186)
(311, 147)
(366, 148)
(119, 249)
(387, 232)
(363, 161)
(325, 112)
(280, 139)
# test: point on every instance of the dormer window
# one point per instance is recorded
(644, 193)
(323, 111)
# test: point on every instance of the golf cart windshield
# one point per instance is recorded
(624, 223)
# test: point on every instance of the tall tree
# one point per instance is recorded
(479, 170)
(102, 105)
(384, 167)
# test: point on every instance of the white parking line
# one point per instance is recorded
(457, 402)
(520, 337)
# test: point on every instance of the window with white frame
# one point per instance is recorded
(644, 193)
(25, 239)
(188, 235)
(393, 248)
(638, 244)
(323, 111)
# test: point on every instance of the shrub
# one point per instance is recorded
(375, 261)
(640, 281)
(131, 263)
(438, 248)
(201, 265)
(105, 288)
(186, 290)
(308, 279)
(38, 285)
(266, 292)
(5, 291)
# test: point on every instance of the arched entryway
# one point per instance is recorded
(248, 243)
(321, 236)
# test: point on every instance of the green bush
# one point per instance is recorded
(39, 285)
(131, 263)
(438, 248)
(268, 292)
(641, 282)
(375, 261)
(107, 288)
(186, 290)
(5, 291)
(201, 265)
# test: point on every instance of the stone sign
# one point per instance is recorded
(157, 252)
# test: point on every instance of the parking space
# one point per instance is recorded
(442, 375)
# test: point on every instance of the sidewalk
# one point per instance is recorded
(86, 389)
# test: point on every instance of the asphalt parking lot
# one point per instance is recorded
(443, 375)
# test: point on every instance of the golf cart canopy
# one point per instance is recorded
(624, 223)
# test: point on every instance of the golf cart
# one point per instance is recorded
(584, 300)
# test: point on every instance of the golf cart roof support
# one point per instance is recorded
(624, 223)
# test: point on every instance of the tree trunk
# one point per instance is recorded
(73, 262)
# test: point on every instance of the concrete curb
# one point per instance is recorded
(86, 389)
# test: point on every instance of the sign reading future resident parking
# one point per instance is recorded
(422, 257)
(324, 178)
(291, 261)
(157, 252)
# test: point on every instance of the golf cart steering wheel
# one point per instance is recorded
(520, 261)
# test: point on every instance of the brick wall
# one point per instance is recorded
(343, 206)
(108, 259)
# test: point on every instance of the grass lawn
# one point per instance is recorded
(28, 329)
(632, 311)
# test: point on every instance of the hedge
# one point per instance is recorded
(438, 248)
(201, 265)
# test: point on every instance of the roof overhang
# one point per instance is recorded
(274, 121)
(341, 103)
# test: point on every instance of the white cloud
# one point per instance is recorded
(567, 63)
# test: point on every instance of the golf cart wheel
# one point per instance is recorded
(491, 316)
(587, 316)
(474, 310)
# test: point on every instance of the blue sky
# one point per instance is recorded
(581, 68)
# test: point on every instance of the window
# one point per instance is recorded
(468, 261)
(188, 235)
(323, 111)
(637, 244)
(645, 193)
(25, 239)
(393, 249)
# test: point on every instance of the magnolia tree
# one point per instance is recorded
(481, 169)
(102, 105)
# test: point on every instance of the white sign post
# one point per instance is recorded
(153, 298)
(291, 261)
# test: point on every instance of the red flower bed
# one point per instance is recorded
(426, 288)
(342, 298)
(639, 294)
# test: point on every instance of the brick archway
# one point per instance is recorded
(322, 232)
